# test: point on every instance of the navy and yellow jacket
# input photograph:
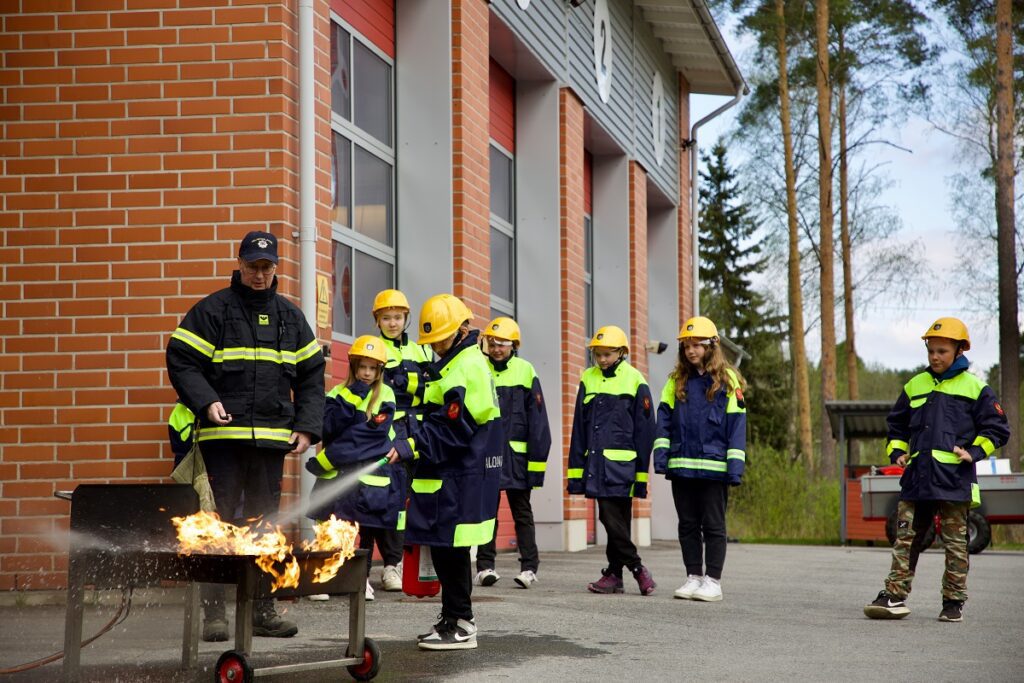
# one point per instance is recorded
(351, 440)
(931, 416)
(612, 433)
(404, 373)
(525, 422)
(253, 351)
(457, 450)
(179, 431)
(701, 439)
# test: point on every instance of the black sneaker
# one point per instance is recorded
(952, 610)
(886, 606)
(442, 624)
(450, 634)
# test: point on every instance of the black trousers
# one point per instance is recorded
(700, 505)
(455, 572)
(526, 534)
(246, 483)
(391, 554)
(616, 514)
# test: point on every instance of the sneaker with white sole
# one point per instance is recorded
(450, 634)
(391, 579)
(526, 578)
(369, 591)
(686, 591)
(486, 577)
(318, 597)
(952, 610)
(710, 590)
(886, 606)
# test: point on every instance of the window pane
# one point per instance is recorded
(501, 185)
(341, 181)
(373, 197)
(372, 275)
(372, 86)
(588, 245)
(502, 265)
(341, 75)
(342, 288)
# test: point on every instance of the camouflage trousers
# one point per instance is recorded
(913, 518)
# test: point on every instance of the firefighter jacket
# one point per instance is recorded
(252, 350)
(525, 423)
(612, 433)
(457, 450)
(931, 416)
(351, 441)
(701, 439)
(404, 373)
(179, 431)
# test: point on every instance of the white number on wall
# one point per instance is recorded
(658, 118)
(603, 49)
(523, 4)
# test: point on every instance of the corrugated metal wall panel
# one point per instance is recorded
(541, 27)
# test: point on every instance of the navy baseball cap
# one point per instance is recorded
(258, 245)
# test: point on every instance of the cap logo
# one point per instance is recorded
(262, 242)
(495, 327)
(937, 326)
(426, 327)
(689, 328)
(369, 347)
(600, 335)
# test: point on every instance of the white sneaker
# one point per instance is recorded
(525, 578)
(369, 591)
(486, 577)
(710, 590)
(318, 597)
(686, 591)
(390, 579)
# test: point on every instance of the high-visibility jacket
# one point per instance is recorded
(931, 416)
(351, 441)
(701, 439)
(179, 431)
(404, 373)
(457, 450)
(253, 351)
(525, 422)
(612, 433)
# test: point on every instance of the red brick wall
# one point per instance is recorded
(470, 161)
(685, 232)
(638, 285)
(570, 161)
(140, 140)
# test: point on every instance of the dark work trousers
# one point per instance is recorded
(700, 505)
(246, 483)
(616, 514)
(391, 540)
(526, 534)
(455, 572)
(392, 555)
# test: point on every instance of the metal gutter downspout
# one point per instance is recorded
(307, 190)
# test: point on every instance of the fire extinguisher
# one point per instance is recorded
(419, 578)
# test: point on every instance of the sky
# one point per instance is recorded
(888, 333)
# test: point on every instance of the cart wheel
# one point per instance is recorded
(370, 666)
(979, 533)
(232, 667)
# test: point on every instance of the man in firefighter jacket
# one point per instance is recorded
(457, 450)
(245, 361)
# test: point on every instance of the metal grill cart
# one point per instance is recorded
(122, 536)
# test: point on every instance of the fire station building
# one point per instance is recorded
(527, 156)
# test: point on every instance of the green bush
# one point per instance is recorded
(780, 502)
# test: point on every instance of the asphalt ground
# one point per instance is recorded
(790, 612)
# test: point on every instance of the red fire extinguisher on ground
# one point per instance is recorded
(419, 578)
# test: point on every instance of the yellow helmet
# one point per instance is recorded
(698, 328)
(950, 328)
(610, 336)
(502, 328)
(439, 318)
(389, 298)
(368, 346)
(459, 308)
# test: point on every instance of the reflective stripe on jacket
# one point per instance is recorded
(612, 433)
(930, 417)
(701, 439)
(525, 422)
(252, 351)
(458, 453)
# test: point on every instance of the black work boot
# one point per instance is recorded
(267, 622)
(215, 619)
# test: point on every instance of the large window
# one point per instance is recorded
(362, 177)
(503, 233)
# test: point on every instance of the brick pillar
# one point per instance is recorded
(471, 209)
(685, 225)
(570, 162)
(638, 286)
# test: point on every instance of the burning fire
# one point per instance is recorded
(205, 533)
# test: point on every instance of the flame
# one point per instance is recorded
(205, 533)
